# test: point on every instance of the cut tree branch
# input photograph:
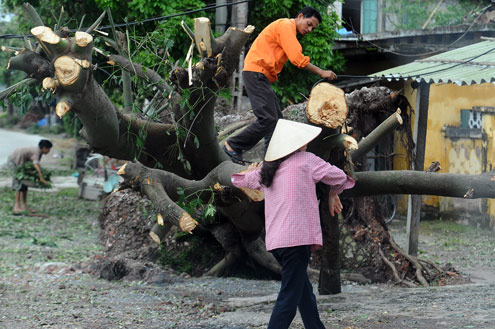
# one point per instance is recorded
(422, 183)
(140, 71)
(12, 89)
(367, 143)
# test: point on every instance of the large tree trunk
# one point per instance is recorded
(185, 144)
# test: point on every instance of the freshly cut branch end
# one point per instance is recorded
(398, 116)
(249, 29)
(202, 35)
(45, 34)
(50, 84)
(350, 143)
(84, 63)
(158, 232)
(327, 106)
(121, 170)
(159, 219)
(155, 237)
(187, 223)
(67, 70)
(83, 39)
(62, 109)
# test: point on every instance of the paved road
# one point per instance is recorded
(10, 140)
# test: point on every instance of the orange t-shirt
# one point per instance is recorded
(273, 46)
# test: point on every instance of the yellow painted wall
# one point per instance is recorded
(455, 156)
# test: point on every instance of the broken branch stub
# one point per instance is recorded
(71, 73)
(327, 106)
(202, 36)
(369, 142)
(62, 108)
(51, 43)
(50, 84)
(83, 45)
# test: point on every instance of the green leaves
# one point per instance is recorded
(195, 205)
(28, 172)
(412, 14)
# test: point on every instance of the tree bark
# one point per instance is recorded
(369, 142)
(186, 147)
(423, 183)
(329, 280)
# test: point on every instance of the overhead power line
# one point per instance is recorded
(160, 18)
(376, 78)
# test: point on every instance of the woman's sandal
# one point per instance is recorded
(233, 156)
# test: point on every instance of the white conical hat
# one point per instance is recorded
(288, 137)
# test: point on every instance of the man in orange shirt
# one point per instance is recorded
(276, 44)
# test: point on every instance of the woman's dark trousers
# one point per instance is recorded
(296, 290)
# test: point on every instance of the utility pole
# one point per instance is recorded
(239, 20)
(220, 16)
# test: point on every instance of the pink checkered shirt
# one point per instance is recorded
(291, 207)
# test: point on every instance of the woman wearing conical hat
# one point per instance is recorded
(288, 177)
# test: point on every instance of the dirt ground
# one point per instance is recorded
(43, 283)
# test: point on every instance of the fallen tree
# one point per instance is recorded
(193, 181)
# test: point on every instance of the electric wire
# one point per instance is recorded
(209, 7)
(406, 77)
(160, 18)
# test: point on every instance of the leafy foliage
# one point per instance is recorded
(193, 204)
(27, 172)
(161, 45)
(164, 33)
(9, 77)
(414, 13)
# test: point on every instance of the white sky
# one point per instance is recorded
(3, 16)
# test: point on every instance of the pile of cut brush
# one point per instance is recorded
(29, 176)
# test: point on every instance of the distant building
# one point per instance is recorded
(461, 118)
(378, 36)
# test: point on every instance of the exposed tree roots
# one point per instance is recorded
(389, 261)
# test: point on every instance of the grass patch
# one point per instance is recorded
(445, 241)
(445, 226)
(69, 233)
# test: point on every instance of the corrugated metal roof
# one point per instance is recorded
(468, 65)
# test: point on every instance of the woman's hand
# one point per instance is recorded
(334, 204)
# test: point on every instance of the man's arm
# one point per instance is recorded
(38, 169)
(325, 74)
